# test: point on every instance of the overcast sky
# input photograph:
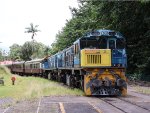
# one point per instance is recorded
(16, 15)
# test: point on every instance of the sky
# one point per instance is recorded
(16, 15)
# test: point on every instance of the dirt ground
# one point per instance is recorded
(138, 83)
(134, 102)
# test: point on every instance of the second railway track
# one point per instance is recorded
(126, 106)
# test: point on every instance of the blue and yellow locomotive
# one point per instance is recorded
(95, 62)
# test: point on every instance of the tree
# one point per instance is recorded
(26, 51)
(15, 51)
(47, 51)
(32, 29)
(29, 52)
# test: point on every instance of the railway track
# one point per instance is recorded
(125, 106)
(134, 103)
(113, 105)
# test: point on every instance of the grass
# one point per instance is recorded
(144, 90)
(32, 87)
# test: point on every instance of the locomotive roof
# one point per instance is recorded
(21, 62)
(36, 60)
(102, 32)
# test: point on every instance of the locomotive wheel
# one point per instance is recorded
(64, 78)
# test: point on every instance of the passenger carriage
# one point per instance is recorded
(33, 67)
(18, 67)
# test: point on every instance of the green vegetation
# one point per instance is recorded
(29, 50)
(15, 51)
(32, 87)
(144, 90)
(4, 71)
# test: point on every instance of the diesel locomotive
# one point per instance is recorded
(96, 63)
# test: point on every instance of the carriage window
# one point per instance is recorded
(34, 66)
(37, 66)
(31, 66)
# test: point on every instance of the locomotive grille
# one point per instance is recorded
(93, 59)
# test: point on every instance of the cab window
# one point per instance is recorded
(112, 44)
(103, 43)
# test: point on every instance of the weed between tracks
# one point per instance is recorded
(32, 87)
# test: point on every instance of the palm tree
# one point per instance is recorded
(32, 29)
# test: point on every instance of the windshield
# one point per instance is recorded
(112, 44)
(102, 43)
(93, 43)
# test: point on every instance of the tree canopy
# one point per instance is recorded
(29, 50)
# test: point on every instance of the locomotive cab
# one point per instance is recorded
(106, 41)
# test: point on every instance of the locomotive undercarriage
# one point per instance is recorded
(69, 77)
(93, 81)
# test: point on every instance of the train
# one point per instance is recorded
(95, 63)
